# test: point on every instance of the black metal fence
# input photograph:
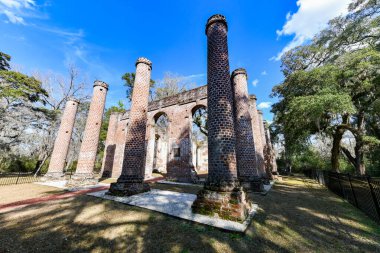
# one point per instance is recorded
(361, 191)
(9, 178)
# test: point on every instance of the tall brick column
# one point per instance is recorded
(110, 146)
(272, 164)
(62, 142)
(119, 151)
(245, 147)
(222, 194)
(259, 148)
(268, 173)
(87, 155)
(131, 180)
(261, 124)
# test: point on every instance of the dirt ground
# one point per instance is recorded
(13, 193)
(296, 216)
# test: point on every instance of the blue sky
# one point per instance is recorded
(104, 38)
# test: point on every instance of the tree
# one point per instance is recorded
(21, 101)
(61, 89)
(331, 85)
(200, 120)
(170, 85)
(129, 81)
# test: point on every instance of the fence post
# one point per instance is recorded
(352, 189)
(18, 176)
(374, 197)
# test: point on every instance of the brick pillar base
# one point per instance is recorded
(80, 180)
(228, 205)
(53, 176)
(128, 187)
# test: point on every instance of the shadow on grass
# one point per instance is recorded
(301, 217)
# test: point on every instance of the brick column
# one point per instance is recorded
(222, 187)
(272, 164)
(120, 145)
(262, 131)
(257, 137)
(110, 146)
(245, 147)
(87, 155)
(264, 141)
(131, 180)
(62, 142)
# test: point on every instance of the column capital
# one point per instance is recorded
(116, 113)
(145, 61)
(101, 83)
(73, 99)
(252, 97)
(239, 71)
(217, 18)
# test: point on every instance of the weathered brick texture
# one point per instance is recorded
(245, 148)
(120, 146)
(110, 145)
(222, 194)
(259, 148)
(87, 155)
(270, 153)
(221, 131)
(131, 180)
(180, 166)
(268, 173)
(62, 142)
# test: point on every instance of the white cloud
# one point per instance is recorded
(311, 17)
(255, 82)
(264, 105)
(264, 73)
(16, 10)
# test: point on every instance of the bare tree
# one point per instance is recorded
(170, 85)
(60, 89)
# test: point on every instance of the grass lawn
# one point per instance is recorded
(296, 216)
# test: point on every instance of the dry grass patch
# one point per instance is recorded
(296, 216)
(13, 193)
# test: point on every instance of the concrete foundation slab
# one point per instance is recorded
(177, 205)
(62, 185)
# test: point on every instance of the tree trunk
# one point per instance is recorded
(335, 150)
(41, 164)
(359, 147)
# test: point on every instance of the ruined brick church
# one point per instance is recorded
(239, 156)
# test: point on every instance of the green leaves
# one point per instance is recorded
(14, 85)
(129, 81)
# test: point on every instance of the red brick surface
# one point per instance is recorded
(259, 148)
(62, 142)
(89, 147)
(245, 148)
(110, 145)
